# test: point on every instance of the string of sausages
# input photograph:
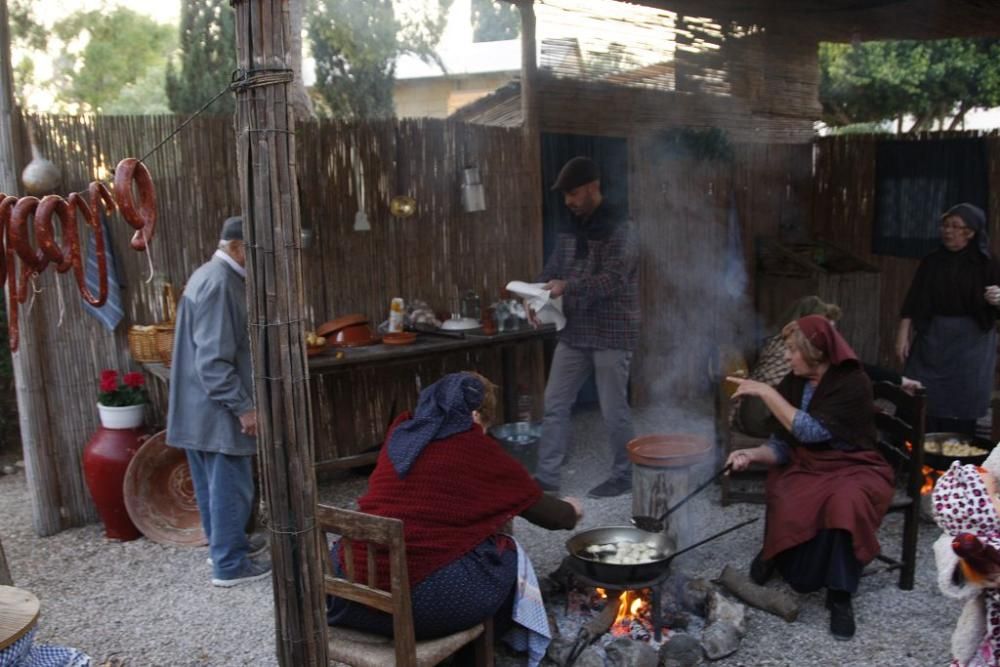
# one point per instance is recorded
(133, 196)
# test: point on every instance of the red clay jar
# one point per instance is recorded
(105, 460)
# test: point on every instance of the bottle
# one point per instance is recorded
(396, 315)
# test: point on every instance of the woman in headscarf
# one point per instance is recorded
(947, 336)
(828, 488)
(454, 488)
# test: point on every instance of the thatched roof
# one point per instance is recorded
(846, 20)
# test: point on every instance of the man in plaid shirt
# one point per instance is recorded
(594, 267)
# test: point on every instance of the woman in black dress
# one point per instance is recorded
(947, 332)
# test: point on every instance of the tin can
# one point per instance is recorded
(396, 307)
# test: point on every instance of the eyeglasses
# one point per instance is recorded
(952, 226)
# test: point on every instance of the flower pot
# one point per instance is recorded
(105, 461)
(122, 417)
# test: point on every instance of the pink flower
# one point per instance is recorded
(134, 380)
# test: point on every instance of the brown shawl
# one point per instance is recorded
(825, 488)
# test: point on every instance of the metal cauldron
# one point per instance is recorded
(520, 440)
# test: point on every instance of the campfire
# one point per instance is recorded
(634, 617)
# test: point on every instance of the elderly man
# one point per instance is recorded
(594, 267)
(211, 414)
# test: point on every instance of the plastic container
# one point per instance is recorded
(396, 307)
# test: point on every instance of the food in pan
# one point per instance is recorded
(953, 447)
(623, 553)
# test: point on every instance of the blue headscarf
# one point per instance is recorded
(975, 219)
(444, 409)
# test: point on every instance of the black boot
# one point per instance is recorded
(761, 570)
(841, 614)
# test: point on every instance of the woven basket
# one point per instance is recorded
(164, 339)
(142, 343)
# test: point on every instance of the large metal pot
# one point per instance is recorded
(627, 574)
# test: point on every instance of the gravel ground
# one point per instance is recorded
(140, 603)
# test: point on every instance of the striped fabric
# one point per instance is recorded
(111, 313)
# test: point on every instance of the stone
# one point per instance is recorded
(694, 595)
(626, 652)
(720, 640)
(723, 608)
(9, 470)
(590, 657)
(558, 651)
(680, 651)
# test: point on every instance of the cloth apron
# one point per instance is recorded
(955, 359)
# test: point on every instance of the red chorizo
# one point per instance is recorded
(17, 235)
(92, 219)
(131, 172)
(52, 206)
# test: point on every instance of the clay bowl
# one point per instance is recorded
(159, 495)
(327, 329)
(313, 350)
(355, 335)
(662, 450)
(399, 338)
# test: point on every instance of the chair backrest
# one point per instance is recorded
(900, 418)
(372, 534)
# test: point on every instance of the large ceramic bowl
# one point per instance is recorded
(355, 335)
(159, 495)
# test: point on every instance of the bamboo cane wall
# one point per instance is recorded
(682, 210)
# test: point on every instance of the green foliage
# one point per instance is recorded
(207, 57)
(932, 81)
(494, 21)
(355, 44)
(119, 48)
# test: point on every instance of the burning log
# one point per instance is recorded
(594, 628)
(771, 601)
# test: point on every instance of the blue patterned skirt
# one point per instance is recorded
(454, 597)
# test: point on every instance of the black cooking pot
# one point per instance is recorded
(935, 457)
(626, 574)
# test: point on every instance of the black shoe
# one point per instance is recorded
(761, 570)
(551, 488)
(611, 487)
(841, 614)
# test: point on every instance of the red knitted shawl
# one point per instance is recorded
(460, 491)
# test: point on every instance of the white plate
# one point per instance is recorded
(460, 324)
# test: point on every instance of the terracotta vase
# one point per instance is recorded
(105, 460)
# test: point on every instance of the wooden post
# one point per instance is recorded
(276, 314)
(531, 127)
(5, 578)
(32, 406)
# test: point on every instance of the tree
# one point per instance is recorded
(931, 81)
(355, 44)
(207, 57)
(494, 21)
(117, 48)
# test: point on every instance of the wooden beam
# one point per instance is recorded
(265, 134)
(531, 127)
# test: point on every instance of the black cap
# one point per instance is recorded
(578, 171)
(232, 229)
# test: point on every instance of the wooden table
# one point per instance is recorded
(18, 614)
(427, 346)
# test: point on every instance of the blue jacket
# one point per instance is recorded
(211, 380)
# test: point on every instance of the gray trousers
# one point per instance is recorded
(571, 367)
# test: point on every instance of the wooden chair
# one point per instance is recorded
(361, 649)
(900, 422)
(746, 486)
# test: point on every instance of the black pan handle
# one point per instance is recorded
(727, 468)
(716, 536)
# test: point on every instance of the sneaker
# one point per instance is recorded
(761, 570)
(252, 570)
(611, 487)
(551, 488)
(257, 544)
(841, 615)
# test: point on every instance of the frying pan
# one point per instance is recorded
(627, 574)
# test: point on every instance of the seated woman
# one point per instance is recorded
(749, 414)
(828, 489)
(454, 488)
